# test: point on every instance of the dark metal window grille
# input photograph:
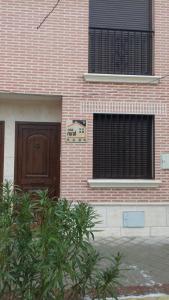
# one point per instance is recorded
(123, 146)
(116, 51)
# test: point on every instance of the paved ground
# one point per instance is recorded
(147, 259)
(149, 298)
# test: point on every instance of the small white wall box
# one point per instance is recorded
(164, 161)
(133, 219)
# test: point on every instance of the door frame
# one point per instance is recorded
(17, 123)
(2, 124)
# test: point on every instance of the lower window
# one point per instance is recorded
(123, 146)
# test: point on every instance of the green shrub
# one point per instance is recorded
(46, 250)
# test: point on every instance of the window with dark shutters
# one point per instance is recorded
(120, 37)
(123, 146)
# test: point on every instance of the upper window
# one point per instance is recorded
(120, 37)
(123, 146)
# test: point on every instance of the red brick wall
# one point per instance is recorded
(53, 59)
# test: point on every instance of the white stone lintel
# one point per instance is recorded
(118, 78)
(123, 183)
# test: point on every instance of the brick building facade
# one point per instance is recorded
(44, 78)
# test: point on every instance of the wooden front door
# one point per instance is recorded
(37, 163)
(1, 151)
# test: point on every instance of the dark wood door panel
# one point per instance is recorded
(37, 150)
(1, 151)
(37, 164)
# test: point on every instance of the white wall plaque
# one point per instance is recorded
(76, 131)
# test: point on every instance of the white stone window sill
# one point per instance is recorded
(116, 78)
(123, 183)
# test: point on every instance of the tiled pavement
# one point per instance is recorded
(147, 259)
